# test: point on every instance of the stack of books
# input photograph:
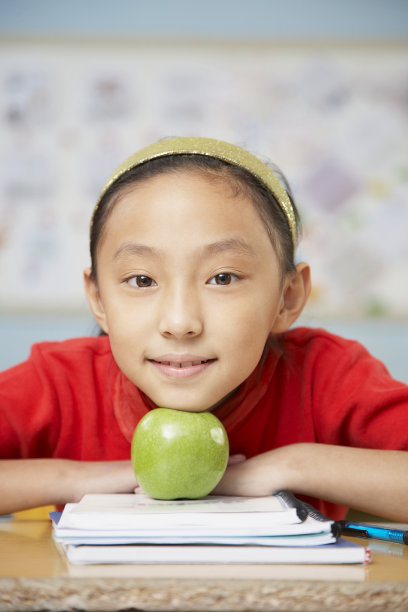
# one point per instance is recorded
(121, 528)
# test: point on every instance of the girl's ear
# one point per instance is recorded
(294, 297)
(94, 300)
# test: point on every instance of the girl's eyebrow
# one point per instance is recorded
(134, 248)
(229, 244)
(237, 245)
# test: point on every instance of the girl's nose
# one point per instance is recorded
(180, 314)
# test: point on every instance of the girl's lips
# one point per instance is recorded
(181, 368)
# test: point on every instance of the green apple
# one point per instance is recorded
(178, 454)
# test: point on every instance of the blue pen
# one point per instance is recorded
(362, 530)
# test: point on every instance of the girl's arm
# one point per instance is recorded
(29, 483)
(374, 481)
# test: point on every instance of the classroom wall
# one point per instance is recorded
(292, 20)
(319, 86)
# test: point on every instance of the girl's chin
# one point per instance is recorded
(185, 406)
(188, 409)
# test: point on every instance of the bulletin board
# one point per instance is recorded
(333, 117)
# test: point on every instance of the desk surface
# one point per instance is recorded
(34, 576)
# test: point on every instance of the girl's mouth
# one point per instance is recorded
(181, 368)
(183, 364)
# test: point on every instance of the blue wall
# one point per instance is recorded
(277, 19)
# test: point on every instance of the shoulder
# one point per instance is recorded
(333, 366)
(74, 348)
(76, 351)
(319, 351)
(307, 340)
(55, 371)
(50, 360)
(77, 355)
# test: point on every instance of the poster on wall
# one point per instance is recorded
(332, 117)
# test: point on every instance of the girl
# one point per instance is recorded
(194, 284)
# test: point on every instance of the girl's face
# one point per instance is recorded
(189, 288)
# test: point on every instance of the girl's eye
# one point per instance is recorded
(223, 278)
(141, 281)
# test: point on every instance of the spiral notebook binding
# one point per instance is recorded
(304, 510)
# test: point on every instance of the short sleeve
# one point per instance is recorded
(355, 401)
(29, 416)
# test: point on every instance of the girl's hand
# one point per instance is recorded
(234, 459)
(102, 477)
(29, 483)
(256, 477)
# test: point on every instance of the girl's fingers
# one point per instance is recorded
(238, 458)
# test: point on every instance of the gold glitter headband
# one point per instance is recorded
(212, 148)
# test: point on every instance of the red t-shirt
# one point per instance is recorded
(70, 400)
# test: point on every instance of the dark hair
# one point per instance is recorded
(241, 181)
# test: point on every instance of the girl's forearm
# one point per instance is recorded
(28, 483)
(374, 481)
(370, 480)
